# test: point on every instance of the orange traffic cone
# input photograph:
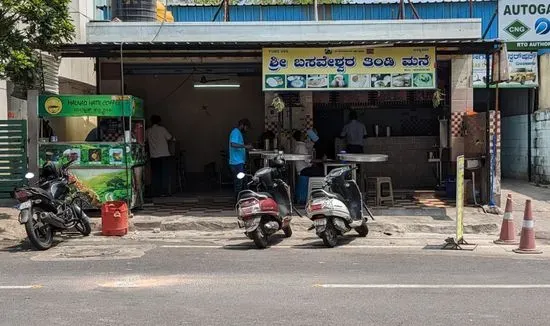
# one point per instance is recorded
(527, 241)
(507, 230)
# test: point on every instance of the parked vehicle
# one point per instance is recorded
(337, 207)
(266, 206)
(50, 206)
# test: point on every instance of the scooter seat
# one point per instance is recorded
(252, 194)
(320, 193)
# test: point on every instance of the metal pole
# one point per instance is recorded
(530, 110)
(487, 124)
(127, 152)
(490, 24)
(471, 9)
(316, 9)
(226, 10)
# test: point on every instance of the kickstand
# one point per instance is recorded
(368, 211)
(297, 212)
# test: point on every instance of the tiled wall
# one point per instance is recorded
(407, 163)
(462, 97)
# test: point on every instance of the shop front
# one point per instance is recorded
(408, 93)
(391, 89)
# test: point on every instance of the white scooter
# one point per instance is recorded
(337, 207)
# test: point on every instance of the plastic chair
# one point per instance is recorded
(314, 183)
(380, 198)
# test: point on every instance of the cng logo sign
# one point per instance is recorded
(517, 29)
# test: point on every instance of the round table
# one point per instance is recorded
(264, 154)
(362, 159)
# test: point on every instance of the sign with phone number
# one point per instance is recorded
(319, 69)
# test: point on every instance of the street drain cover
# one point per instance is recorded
(94, 252)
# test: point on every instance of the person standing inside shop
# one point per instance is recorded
(354, 133)
(237, 152)
(157, 138)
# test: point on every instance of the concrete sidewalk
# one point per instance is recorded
(437, 221)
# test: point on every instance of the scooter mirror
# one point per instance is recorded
(29, 175)
(240, 175)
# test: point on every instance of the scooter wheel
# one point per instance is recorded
(288, 231)
(329, 236)
(260, 238)
(362, 230)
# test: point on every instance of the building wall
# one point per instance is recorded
(80, 69)
(541, 148)
(373, 11)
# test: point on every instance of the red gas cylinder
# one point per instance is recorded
(114, 218)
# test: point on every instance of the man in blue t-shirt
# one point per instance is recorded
(237, 152)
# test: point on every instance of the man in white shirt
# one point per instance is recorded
(354, 133)
(157, 138)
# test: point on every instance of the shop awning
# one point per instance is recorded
(246, 49)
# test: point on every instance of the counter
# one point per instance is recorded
(104, 171)
(407, 163)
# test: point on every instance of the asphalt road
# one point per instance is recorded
(141, 283)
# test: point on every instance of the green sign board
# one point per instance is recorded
(90, 105)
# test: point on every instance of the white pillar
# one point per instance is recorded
(544, 80)
(32, 127)
(3, 100)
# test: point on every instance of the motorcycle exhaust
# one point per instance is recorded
(52, 219)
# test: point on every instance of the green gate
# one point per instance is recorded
(13, 156)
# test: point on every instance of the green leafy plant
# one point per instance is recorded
(438, 97)
(27, 27)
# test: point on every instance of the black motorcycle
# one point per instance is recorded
(268, 208)
(50, 206)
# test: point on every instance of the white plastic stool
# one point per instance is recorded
(379, 197)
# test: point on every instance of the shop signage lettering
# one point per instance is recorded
(522, 66)
(89, 105)
(524, 9)
(525, 25)
(349, 69)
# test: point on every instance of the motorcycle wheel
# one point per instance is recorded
(329, 236)
(40, 235)
(83, 226)
(260, 238)
(362, 230)
(287, 231)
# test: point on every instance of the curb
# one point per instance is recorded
(213, 225)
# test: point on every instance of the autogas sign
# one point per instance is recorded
(525, 24)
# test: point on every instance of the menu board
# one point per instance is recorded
(318, 69)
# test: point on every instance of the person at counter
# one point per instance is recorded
(237, 152)
(354, 133)
(304, 145)
(95, 134)
(157, 137)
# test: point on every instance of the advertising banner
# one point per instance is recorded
(523, 67)
(524, 24)
(89, 105)
(318, 69)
